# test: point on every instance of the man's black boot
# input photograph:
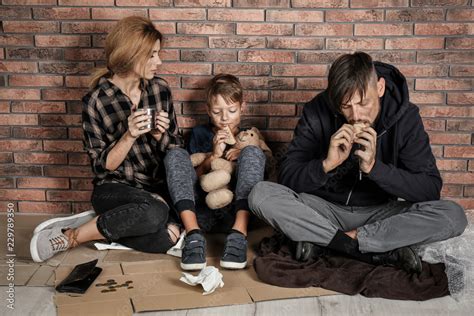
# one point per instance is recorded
(306, 250)
(404, 258)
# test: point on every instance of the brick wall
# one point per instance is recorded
(281, 50)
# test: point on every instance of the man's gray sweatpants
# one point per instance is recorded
(380, 228)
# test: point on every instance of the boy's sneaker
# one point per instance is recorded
(194, 252)
(47, 243)
(72, 221)
(235, 252)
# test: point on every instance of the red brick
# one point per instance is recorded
(87, 27)
(255, 96)
(195, 82)
(444, 29)
(382, 29)
(173, 82)
(74, 107)
(18, 119)
(208, 56)
(63, 195)
(5, 132)
(14, 13)
(258, 122)
(235, 15)
(28, 195)
(317, 57)
(243, 69)
(42, 183)
(81, 207)
(354, 43)
(35, 81)
(6, 158)
(409, 15)
(427, 97)
(319, 4)
(40, 158)
(188, 95)
(266, 56)
(80, 159)
(4, 107)
(460, 125)
(295, 43)
(434, 124)
(61, 120)
(75, 133)
(77, 81)
(15, 170)
(461, 71)
(292, 96)
(469, 191)
(445, 57)
(449, 138)
(264, 29)
(64, 94)
(292, 16)
(44, 207)
(300, 70)
(460, 15)
(18, 66)
(353, 16)
(194, 108)
(324, 29)
(424, 70)
(191, 121)
(66, 68)
(81, 184)
(116, 13)
(68, 171)
(62, 40)
(460, 43)
(88, 2)
(30, 27)
(311, 83)
(451, 165)
(432, 3)
(206, 28)
(16, 40)
(278, 136)
(470, 167)
(185, 42)
(202, 3)
(443, 84)
(267, 83)
(262, 3)
(19, 94)
(7, 183)
(185, 69)
(236, 42)
(270, 110)
(166, 27)
(457, 177)
(459, 151)
(446, 111)
(178, 14)
(20, 145)
(39, 132)
(466, 98)
(61, 13)
(38, 107)
(379, 3)
(451, 190)
(415, 43)
(63, 145)
(35, 53)
(283, 122)
(88, 54)
(2, 54)
(169, 54)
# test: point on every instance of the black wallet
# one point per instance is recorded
(80, 278)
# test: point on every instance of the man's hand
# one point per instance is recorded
(339, 147)
(162, 123)
(368, 140)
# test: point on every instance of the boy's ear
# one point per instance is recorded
(243, 107)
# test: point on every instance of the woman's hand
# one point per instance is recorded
(137, 122)
(162, 123)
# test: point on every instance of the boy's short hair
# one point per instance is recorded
(225, 85)
(349, 74)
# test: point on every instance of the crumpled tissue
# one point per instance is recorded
(210, 278)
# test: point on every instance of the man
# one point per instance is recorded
(359, 148)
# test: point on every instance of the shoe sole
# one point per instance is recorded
(233, 265)
(34, 249)
(51, 222)
(192, 266)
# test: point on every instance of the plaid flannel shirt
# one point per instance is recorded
(105, 119)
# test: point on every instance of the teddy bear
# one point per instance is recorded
(216, 182)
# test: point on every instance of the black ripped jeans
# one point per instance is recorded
(132, 217)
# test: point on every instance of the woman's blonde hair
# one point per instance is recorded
(130, 42)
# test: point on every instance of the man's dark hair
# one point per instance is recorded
(350, 73)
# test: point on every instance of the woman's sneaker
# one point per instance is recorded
(235, 252)
(72, 221)
(47, 243)
(194, 252)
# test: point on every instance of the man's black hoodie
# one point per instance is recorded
(405, 166)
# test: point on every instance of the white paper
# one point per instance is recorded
(210, 278)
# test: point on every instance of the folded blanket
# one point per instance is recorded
(275, 265)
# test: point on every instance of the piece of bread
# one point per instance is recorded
(230, 140)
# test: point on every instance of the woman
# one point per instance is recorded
(126, 152)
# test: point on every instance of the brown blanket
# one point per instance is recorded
(275, 265)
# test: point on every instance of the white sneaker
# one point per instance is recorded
(47, 243)
(72, 221)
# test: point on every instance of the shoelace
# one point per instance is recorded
(59, 243)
